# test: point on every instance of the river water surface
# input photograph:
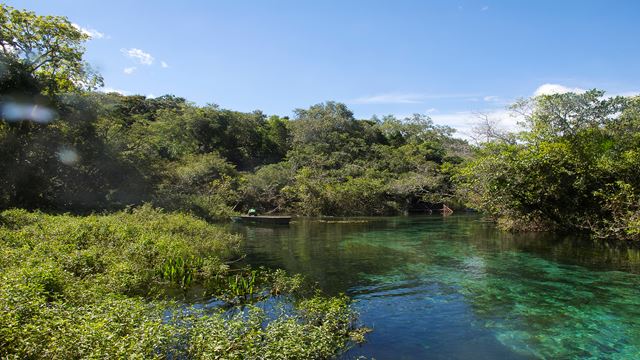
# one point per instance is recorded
(454, 287)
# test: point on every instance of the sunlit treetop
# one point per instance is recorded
(49, 48)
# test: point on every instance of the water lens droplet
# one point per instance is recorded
(18, 112)
(68, 156)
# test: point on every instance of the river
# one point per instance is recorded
(455, 287)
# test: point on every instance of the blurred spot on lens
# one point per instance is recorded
(13, 111)
(68, 156)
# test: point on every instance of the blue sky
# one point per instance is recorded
(449, 59)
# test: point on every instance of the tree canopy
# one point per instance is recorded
(575, 168)
(49, 48)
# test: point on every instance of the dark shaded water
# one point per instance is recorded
(457, 288)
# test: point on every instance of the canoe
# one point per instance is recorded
(276, 220)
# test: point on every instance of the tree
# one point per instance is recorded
(48, 47)
(574, 169)
(50, 155)
(568, 114)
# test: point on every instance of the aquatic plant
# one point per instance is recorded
(181, 270)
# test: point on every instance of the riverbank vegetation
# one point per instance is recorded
(574, 168)
(66, 147)
(127, 150)
(129, 284)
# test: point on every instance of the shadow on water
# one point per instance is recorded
(455, 287)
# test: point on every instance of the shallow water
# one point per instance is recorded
(457, 288)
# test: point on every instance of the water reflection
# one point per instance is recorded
(455, 287)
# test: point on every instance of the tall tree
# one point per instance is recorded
(48, 47)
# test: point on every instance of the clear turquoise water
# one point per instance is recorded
(457, 288)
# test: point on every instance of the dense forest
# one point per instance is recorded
(107, 151)
(66, 147)
(130, 149)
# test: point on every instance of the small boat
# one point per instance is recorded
(260, 219)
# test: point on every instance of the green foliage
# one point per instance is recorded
(263, 189)
(47, 47)
(573, 170)
(107, 151)
(127, 253)
(204, 184)
(242, 286)
(622, 201)
(93, 287)
(319, 328)
(181, 270)
(342, 166)
(326, 129)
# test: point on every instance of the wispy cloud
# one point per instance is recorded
(488, 108)
(92, 33)
(627, 93)
(390, 99)
(129, 70)
(405, 98)
(164, 64)
(484, 8)
(138, 55)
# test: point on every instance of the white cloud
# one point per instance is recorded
(92, 33)
(405, 98)
(129, 70)
(164, 64)
(550, 89)
(107, 90)
(484, 8)
(431, 110)
(491, 98)
(465, 121)
(138, 55)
